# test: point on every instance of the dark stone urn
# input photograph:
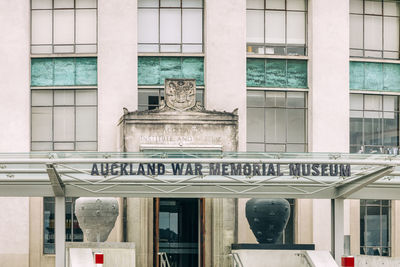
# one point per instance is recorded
(267, 218)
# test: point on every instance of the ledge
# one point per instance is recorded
(273, 246)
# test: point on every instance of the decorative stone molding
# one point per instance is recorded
(180, 95)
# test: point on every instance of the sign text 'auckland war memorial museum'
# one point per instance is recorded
(232, 169)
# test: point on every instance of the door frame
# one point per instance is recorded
(156, 231)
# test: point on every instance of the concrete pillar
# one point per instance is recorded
(245, 235)
(14, 78)
(355, 227)
(395, 229)
(322, 224)
(60, 231)
(117, 67)
(140, 229)
(225, 59)
(338, 229)
(303, 221)
(15, 122)
(329, 93)
(223, 230)
(329, 75)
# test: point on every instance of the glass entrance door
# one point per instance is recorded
(178, 231)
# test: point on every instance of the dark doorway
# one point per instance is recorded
(176, 232)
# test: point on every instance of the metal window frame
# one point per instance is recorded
(286, 107)
(382, 146)
(364, 205)
(74, 44)
(51, 200)
(160, 44)
(53, 106)
(285, 44)
(160, 94)
(363, 49)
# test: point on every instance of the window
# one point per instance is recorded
(153, 70)
(170, 26)
(287, 236)
(150, 98)
(63, 26)
(73, 232)
(374, 28)
(277, 27)
(64, 119)
(375, 227)
(374, 76)
(374, 124)
(276, 121)
(276, 73)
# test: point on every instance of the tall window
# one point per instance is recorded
(276, 121)
(64, 119)
(374, 124)
(63, 26)
(73, 232)
(277, 27)
(375, 227)
(374, 28)
(170, 26)
(287, 236)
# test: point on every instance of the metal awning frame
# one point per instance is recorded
(373, 177)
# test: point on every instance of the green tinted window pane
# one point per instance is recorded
(373, 76)
(193, 68)
(64, 71)
(255, 72)
(356, 75)
(275, 73)
(391, 78)
(148, 70)
(154, 70)
(86, 71)
(42, 72)
(170, 67)
(297, 73)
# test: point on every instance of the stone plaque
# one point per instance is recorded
(180, 94)
(180, 122)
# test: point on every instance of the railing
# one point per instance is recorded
(306, 259)
(237, 262)
(163, 259)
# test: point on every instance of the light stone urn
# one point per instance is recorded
(96, 216)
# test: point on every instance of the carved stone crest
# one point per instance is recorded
(180, 94)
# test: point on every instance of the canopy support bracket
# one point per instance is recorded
(347, 189)
(55, 180)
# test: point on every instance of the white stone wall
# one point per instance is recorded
(329, 94)
(117, 67)
(225, 59)
(15, 124)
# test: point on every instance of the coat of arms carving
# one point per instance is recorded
(180, 94)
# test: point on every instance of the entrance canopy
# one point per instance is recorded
(201, 174)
